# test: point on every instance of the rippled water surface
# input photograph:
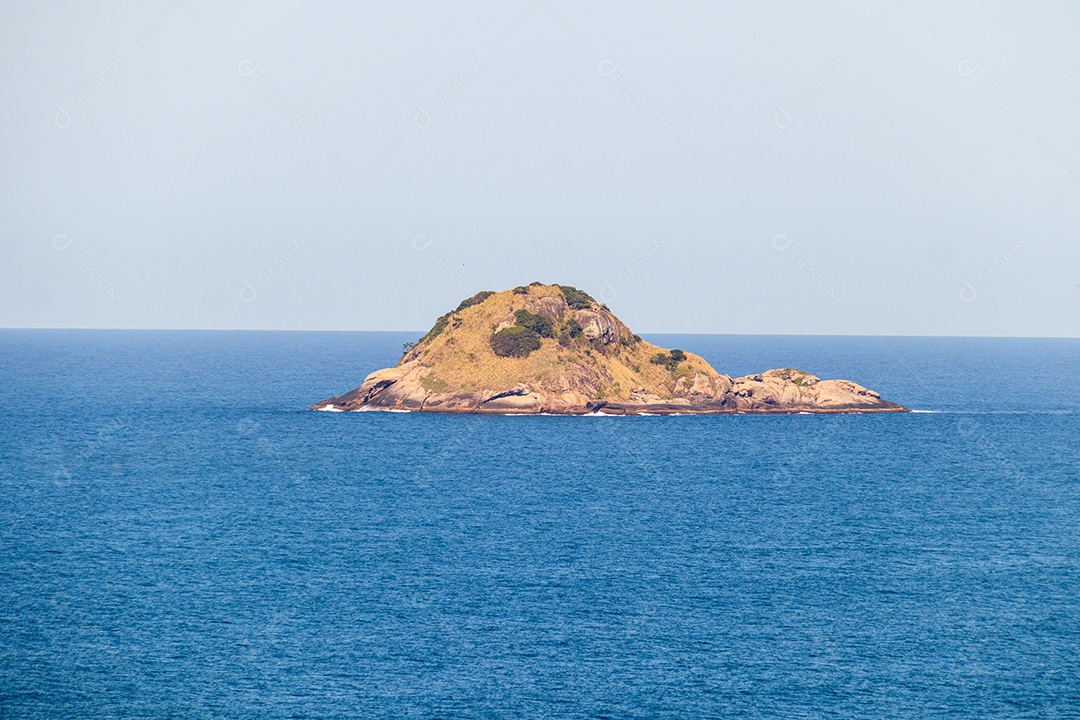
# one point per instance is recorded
(180, 538)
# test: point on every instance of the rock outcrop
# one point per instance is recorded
(553, 349)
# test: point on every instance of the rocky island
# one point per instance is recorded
(554, 349)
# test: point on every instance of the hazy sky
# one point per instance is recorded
(850, 168)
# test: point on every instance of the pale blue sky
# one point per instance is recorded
(837, 168)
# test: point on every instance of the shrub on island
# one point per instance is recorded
(539, 324)
(669, 360)
(577, 299)
(515, 341)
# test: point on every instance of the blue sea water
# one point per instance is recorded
(179, 538)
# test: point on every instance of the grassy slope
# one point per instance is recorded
(461, 358)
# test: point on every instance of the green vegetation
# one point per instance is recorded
(669, 360)
(577, 299)
(539, 324)
(474, 300)
(436, 329)
(521, 290)
(570, 331)
(515, 341)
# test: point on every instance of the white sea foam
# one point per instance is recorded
(329, 408)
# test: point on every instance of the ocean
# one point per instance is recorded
(180, 538)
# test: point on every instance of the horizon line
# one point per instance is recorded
(644, 332)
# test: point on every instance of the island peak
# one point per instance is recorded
(554, 349)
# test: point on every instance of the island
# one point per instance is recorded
(553, 349)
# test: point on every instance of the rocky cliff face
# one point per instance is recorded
(553, 349)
